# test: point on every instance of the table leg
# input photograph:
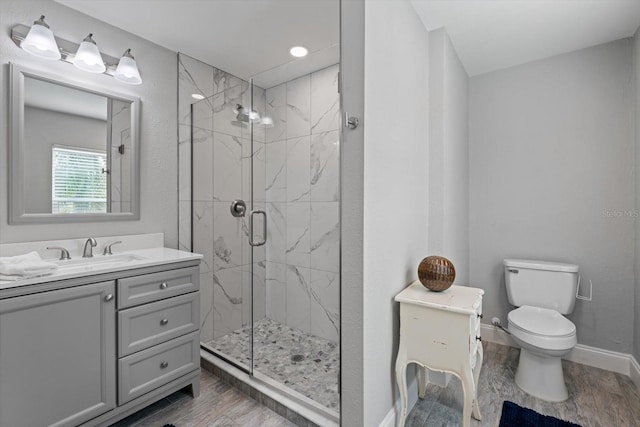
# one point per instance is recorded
(469, 392)
(476, 376)
(422, 381)
(401, 378)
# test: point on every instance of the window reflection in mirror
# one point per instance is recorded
(79, 183)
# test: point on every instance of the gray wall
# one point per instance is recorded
(158, 174)
(636, 94)
(352, 34)
(396, 79)
(551, 177)
(448, 156)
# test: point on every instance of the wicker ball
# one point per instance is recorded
(436, 273)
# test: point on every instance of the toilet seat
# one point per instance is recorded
(543, 328)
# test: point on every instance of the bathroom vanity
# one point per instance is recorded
(99, 339)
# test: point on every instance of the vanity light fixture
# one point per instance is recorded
(298, 51)
(127, 71)
(88, 56)
(197, 96)
(40, 41)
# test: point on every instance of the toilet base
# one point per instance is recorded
(541, 376)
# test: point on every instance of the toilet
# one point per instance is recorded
(543, 292)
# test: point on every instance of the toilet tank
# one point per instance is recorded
(541, 284)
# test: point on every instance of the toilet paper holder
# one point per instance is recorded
(580, 297)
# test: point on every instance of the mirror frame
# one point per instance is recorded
(16, 205)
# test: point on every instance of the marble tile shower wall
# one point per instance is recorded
(302, 201)
(221, 165)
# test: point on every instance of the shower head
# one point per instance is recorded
(245, 115)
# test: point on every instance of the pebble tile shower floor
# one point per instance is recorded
(306, 363)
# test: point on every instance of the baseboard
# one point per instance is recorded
(441, 379)
(391, 419)
(495, 335)
(583, 354)
(634, 371)
(600, 358)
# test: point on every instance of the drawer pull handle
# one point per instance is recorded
(164, 322)
(163, 285)
(480, 315)
(164, 364)
(479, 338)
(108, 298)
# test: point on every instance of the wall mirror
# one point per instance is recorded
(74, 151)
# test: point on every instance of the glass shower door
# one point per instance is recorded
(220, 176)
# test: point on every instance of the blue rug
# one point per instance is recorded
(517, 416)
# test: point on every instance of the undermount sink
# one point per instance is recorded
(97, 262)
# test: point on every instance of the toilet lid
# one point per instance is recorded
(541, 321)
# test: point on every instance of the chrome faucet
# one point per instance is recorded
(64, 254)
(107, 247)
(88, 247)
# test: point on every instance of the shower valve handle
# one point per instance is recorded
(238, 208)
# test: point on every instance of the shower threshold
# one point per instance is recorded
(282, 400)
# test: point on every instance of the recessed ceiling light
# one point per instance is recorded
(298, 51)
(197, 96)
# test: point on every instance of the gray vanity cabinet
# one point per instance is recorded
(58, 343)
(89, 351)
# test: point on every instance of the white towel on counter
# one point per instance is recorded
(24, 266)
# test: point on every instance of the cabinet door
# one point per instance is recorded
(57, 356)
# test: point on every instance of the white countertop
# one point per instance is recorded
(141, 258)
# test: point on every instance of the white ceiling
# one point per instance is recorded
(492, 34)
(252, 37)
(242, 37)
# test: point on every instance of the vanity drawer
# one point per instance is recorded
(138, 290)
(150, 324)
(149, 369)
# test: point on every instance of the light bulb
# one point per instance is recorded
(127, 71)
(40, 41)
(88, 56)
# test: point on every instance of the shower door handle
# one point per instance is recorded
(264, 227)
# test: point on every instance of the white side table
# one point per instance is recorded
(441, 331)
